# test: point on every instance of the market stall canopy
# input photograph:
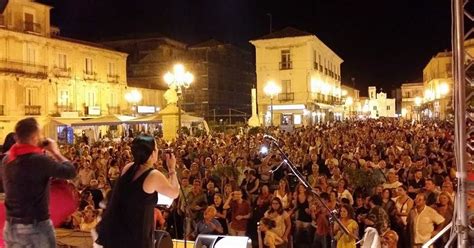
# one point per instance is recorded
(157, 118)
(105, 120)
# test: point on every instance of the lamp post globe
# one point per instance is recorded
(178, 79)
(271, 89)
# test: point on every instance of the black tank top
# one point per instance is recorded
(130, 222)
(300, 207)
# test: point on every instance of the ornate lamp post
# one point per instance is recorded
(418, 102)
(271, 89)
(177, 80)
(133, 97)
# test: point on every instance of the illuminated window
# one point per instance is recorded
(89, 69)
(62, 61)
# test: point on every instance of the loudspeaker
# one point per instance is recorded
(220, 241)
(163, 239)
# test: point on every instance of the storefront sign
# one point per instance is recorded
(94, 110)
(146, 109)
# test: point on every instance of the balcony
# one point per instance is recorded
(32, 110)
(113, 78)
(89, 75)
(2, 109)
(113, 110)
(64, 108)
(288, 96)
(286, 65)
(24, 69)
(31, 27)
(62, 72)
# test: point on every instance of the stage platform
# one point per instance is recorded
(66, 238)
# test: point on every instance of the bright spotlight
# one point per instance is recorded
(264, 150)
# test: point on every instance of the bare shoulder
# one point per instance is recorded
(125, 169)
(149, 185)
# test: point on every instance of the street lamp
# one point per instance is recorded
(177, 80)
(349, 102)
(133, 97)
(271, 89)
(418, 102)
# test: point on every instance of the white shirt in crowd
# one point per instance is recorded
(424, 224)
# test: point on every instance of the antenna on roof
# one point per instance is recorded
(271, 20)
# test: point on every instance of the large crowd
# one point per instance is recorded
(388, 180)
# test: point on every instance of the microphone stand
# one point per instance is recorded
(186, 215)
(332, 213)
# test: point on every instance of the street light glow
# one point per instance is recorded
(133, 96)
(417, 101)
(443, 88)
(271, 89)
(349, 101)
(179, 77)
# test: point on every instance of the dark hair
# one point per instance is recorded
(324, 196)
(280, 210)
(376, 199)
(389, 192)
(25, 128)
(8, 142)
(142, 148)
(268, 222)
(350, 210)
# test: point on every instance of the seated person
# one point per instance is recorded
(209, 224)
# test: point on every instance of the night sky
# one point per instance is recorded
(383, 43)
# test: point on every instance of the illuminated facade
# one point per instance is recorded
(377, 105)
(412, 98)
(56, 79)
(307, 72)
(350, 99)
(438, 84)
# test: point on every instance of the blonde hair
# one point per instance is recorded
(211, 210)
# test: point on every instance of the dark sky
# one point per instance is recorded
(382, 42)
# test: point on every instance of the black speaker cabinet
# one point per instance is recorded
(220, 241)
(163, 239)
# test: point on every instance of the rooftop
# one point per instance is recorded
(284, 33)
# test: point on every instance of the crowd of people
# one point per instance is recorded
(389, 181)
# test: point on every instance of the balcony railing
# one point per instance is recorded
(286, 65)
(2, 109)
(113, 78)
(32, 110)
(62, 72)
(114, 110)
(14, 67)
(32, 27)
(90, 75)
(288, 96)
(64, 108)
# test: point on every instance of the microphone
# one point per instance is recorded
(44, 143)
(269, 137)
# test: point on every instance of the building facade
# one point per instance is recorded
(307, 72)
(378, 105)
(412, 98)
(53, 78)
(438, 84)
(223, 74)
(351, 104)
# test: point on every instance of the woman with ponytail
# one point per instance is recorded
(128, 219)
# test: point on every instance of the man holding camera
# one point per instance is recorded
(26, 178)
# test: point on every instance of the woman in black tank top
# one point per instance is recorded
(128, 220)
